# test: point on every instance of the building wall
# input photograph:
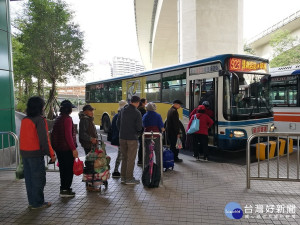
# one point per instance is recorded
(7, 110)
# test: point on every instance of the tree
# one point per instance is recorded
(248, 49)
(286, 51)
(52, 42)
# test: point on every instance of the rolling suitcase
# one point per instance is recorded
(168, 156)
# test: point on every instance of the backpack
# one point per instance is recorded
(155, 179)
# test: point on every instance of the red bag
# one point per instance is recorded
(77, 167)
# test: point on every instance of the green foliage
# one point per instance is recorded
(286, 51)
(248, 49)
(50, 45)
(289, 57)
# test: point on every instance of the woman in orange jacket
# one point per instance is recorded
(34, 145)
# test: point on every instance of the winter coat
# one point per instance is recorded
(205, 123)
(87, 130)
(129, 123)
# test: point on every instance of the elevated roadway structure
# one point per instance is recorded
(261, 42)
(175, 31)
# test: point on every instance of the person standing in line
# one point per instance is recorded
(34, 144)
(152, 122)
(88, 136)
(201, 136)
(142, 109)
(115, 139)
(173, 128)
(63, 138)
(129, 123)
(208, 111)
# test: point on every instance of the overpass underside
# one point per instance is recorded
(174, 31)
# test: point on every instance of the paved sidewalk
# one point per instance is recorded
(194, 193)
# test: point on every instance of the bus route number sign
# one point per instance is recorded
(244, 65)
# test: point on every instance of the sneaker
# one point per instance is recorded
(67, 193)
(45, 205)
(123, 180)
(205, 159)
(116, 174)
(178, 160)
(139, 163)
(132, 181)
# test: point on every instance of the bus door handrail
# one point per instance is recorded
(276, 135)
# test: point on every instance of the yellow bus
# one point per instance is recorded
(238, 84)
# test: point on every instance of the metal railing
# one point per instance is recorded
(276, 26)
(161, 152)
(9, 149)
(277, 137)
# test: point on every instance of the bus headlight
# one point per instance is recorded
(272, 128)
(238, 133)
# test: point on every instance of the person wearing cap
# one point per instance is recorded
(63, 139)
(143, 111)
(129, 123)
(208, 111)
(152, 121)
(115, 139)
(200, 139)
(87, 130)
(173, 128)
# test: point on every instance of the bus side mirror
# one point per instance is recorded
(234, 83)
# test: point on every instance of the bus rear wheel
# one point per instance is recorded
(106, 123)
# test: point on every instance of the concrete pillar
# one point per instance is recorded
(210, 27)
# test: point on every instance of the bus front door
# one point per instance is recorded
(203, 90)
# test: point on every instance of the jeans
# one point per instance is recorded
(35, 180)
(66, 161)
(128, 150)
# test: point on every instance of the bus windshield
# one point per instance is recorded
(252, 98)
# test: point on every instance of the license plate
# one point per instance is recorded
(259, 129)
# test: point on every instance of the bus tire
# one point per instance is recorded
(106, 123)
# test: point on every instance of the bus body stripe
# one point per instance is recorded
(287, 118)
(245, 123)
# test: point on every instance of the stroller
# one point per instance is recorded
(97, 169)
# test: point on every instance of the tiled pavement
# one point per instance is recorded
(194, 193)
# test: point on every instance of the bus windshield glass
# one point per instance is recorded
(251, 100)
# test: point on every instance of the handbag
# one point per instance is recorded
(20, 170)
(77, 167)
(179, 143)
(194, 126)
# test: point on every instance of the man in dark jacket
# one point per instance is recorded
(173, 128)
(129, 123)
(87, 130)
(143, 111)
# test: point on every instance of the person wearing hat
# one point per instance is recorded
(200, 137)
(63, 139)
(87, 131)
(115, 139)
(173, 128)
(208, 111)
(129, 123)
(152, 121)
